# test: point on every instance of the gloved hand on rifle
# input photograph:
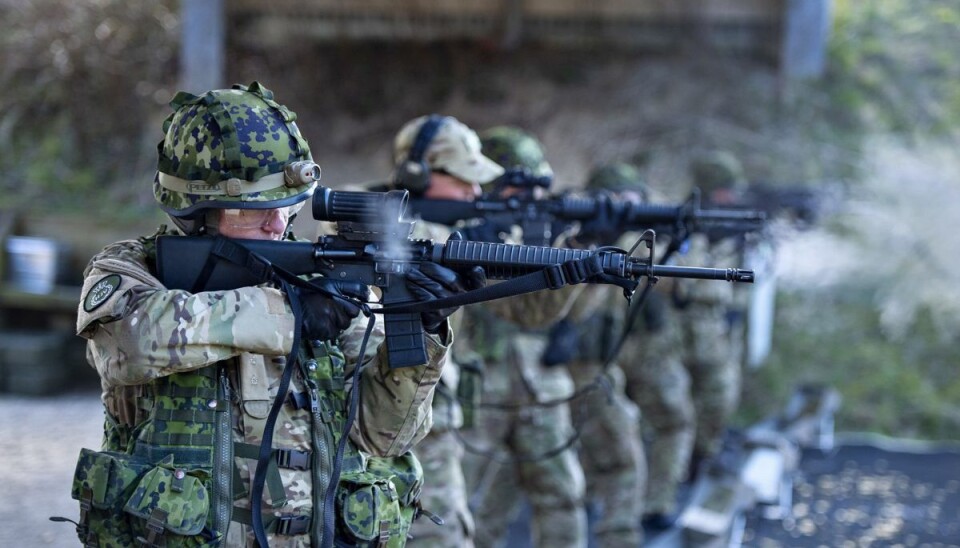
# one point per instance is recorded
(433, 281)
(324, 316)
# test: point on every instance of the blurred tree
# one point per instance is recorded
(81, 82)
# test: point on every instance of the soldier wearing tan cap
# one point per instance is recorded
(439, 157)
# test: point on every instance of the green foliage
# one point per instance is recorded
(82, 82)
(893, 65)
(905, 387)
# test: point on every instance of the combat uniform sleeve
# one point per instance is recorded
(395, 404)
(138, 330)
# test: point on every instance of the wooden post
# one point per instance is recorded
(806, 31)
(202, 45)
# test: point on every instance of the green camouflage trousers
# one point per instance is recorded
(553, 486)
(444, 494)
(714, 367)
(686, 380)
(611, 453)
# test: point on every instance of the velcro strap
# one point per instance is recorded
(384, 533)
(155, 529)
(86, 504)
(196, 440)
(204, 416)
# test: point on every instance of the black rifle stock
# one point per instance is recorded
(373, 246)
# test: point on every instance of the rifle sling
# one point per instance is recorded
(552, 277)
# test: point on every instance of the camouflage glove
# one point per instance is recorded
(433, 281)
(325, 317)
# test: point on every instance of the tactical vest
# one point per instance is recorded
(172, 478)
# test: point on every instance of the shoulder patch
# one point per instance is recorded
(100, 292)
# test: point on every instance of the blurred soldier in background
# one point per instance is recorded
(439, 157)
(718, 315)
(192, 377)
(685, 373)
(611, 450)
(511, 337)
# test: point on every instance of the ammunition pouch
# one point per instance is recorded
(376, 506)
(127, 501)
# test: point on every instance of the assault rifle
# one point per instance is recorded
(602, 216)
(373, 246)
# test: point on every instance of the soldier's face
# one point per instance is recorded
(447, 187)
(264, 224)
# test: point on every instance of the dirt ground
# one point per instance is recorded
(40, 439)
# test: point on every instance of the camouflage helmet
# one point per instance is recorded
(717, 169)
(618, 176)
(511, 147)
(231, 148)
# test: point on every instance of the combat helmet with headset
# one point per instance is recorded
(235, 149)
(442, 144)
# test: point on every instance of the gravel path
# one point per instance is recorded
(40, 439)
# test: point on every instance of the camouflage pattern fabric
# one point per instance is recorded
(616, 177)
(717, 169)
(512, 147)
(510, 336)
(554, 486)
(685, 374)
(611, 450)
(238, 134)
(715, 368)
(152, 346)
(444, 494)
(441, 453)
(658, 382)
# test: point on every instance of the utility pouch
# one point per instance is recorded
(127, 501)
(376, 506)
(172, 506)
(102, 483)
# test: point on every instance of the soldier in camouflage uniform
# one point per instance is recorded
(511, 337)
(189, 379)
(453, 167)
(611, 449)
(716, 389)
(684, 374)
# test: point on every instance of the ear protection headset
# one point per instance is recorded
(414, 173)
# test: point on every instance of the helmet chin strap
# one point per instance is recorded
(201, 223)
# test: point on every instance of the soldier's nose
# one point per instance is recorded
(277, 224)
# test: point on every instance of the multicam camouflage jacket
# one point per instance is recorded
(188, 381)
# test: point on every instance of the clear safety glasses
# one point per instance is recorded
(254, 218)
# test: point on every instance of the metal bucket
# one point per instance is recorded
(33, 263)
